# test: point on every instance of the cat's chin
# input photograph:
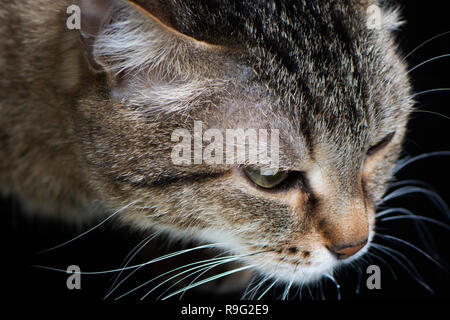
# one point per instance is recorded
(321, 265)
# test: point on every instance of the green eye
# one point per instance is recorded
(266, 178)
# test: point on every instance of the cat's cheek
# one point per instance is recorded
(378, 169)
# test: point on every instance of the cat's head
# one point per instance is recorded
(331, 86)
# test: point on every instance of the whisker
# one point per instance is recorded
(424, 43)
(309, 291)
(195, 279)
(433, 196)
(286, 290)
(431, 112)
(167, 256)
(405, 162)
(356, 266)
(320, 286)
(212, 278)
(253, 282)
(202, 270)
(256, 288)
(111, 291)
(415, 217)
(130, 257)
(394, 275)
(410, 183)
(139, 247)
(89, 230)
(338, 287)
(412, 189)
(170, 271)
(358, 280)
(428, 61)
(413, 273)
(404, 257)
(392, 210)
(422, 230)
(252, 293)
(431, 91)
(248, 288)
(408, 244)
(267, 289)
(299, 291)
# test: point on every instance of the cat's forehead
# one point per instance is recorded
(329, 73)
(326, 75)
(313, 56)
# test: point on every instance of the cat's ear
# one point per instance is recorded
(95, 16)
(126, 40)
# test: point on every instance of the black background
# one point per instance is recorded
(106, 247)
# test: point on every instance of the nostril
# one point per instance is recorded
(346, 251)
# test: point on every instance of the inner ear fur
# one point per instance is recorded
(122, 37)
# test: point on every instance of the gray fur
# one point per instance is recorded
(312, 69)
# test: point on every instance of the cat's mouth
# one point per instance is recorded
(296, 266)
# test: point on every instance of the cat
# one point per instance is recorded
(87, 119)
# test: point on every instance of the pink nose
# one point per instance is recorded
(346, 251)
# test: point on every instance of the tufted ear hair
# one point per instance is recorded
(379, 15)
(130, 43)
(95, 16)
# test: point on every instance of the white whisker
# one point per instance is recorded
(431, 91)
(421, 228)
(433, 196)
(286, 290)
(428, 61)
(405, 162)
(202, 270)
(424, 43)
(412, 272)
(128, 259)
(338, 287)
(420, 218)
(394, 275)
(167, 256)
(252, 293)
(410, 183)
(91, 229)
(171, 271)
(406, 243)
(212, 278)
(267, 289)
(431, 112)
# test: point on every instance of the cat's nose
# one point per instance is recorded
(346, 251)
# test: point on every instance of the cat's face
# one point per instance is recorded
(335, 90)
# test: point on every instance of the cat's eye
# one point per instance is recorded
(266, 178)
(381, 145)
